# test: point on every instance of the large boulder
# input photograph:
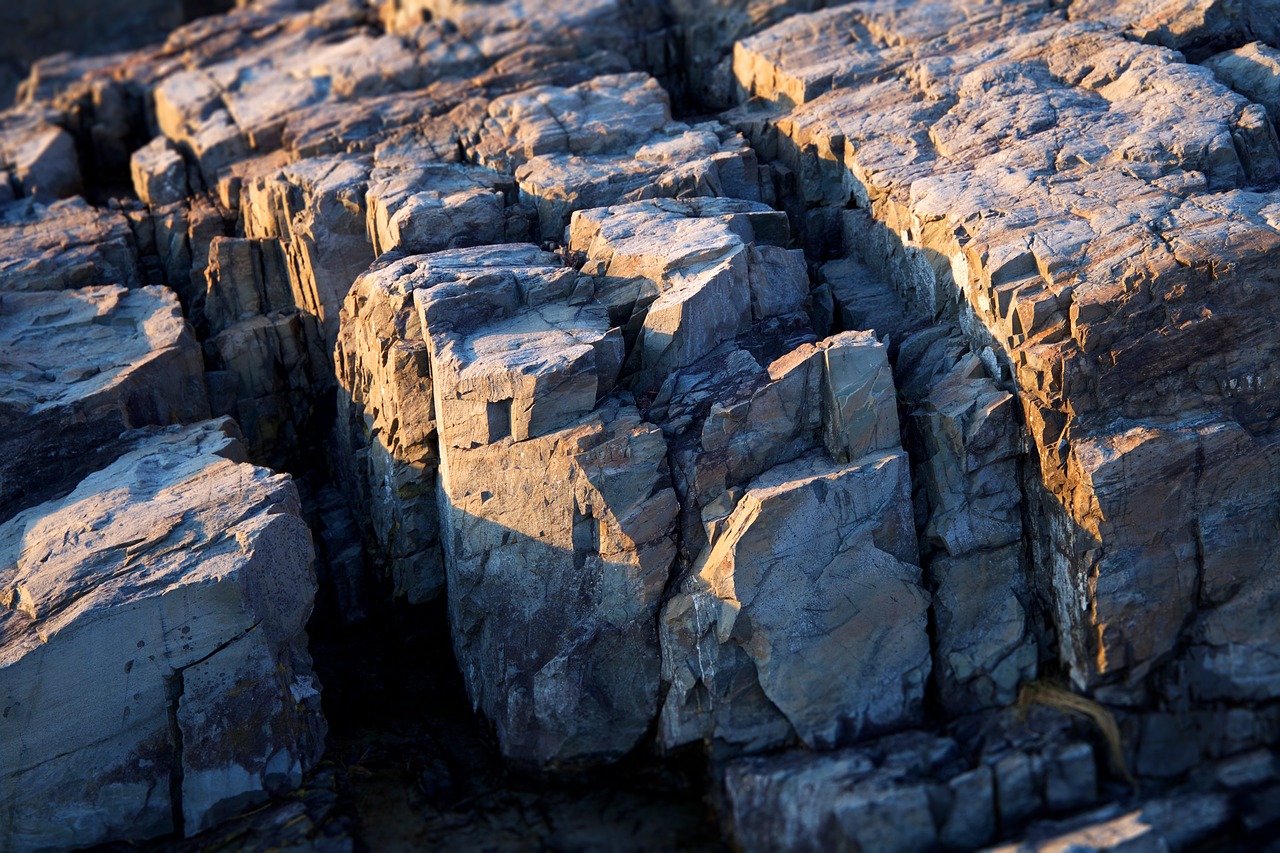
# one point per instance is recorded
(153, 665)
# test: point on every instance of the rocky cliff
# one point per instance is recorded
(871, 405)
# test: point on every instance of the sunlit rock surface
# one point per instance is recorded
(153, 664)
(808, 389)
(78, 368)
(1134, 331)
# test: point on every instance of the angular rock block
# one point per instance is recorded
(805, 617)
(1182, 27)
(878, 798)
(159, 173)
(80, 367)
(914, 790)
(967, 443)
(684, 276)
(386, 425)
(1140, 337)
(63, 245)
(1251, 70)
(607, 141)
(153, 664)
(316, 210)
(516, 352)
(40, 157)
(265, 371)
(557, 550)
(434, 207)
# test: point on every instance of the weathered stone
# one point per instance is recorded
(246, 278)
(265, 371)
(876, 798)
(316, 210)
(152, 656)
(63, 245)
(1192, 27)
(972, 821)
(1122, 338)
(1108, 831)
(40, 156)
(556, 567)
(159, 173)
(506, 26)
(433, 207)
(607, 141)
(79, 368)
(683, 276)
(515, 352)
(813, 573)
(387, 422)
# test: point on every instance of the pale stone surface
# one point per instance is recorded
(607, 141)
(40, 156)
(1191, 26)
(79, 368)
(387, 422)
(159, 173)
(316, 210)
(685, 276)
(153, 660)
(1252, 70)
(516, 352)
(433, 207)
(63, 245)
(1114, 320)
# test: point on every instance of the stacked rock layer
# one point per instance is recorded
(898, 396)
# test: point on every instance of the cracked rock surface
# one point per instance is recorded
(855, 420)
(153, 661)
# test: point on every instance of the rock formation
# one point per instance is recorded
(872, 401)
(153, 664)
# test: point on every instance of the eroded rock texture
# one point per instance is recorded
(1121, 288)
(153, 661)
(785, 383)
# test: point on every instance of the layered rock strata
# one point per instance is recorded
(1134, 332)
(681, 481)
(153, 664)
(78, 368)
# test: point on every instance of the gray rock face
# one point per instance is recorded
(1109, 381)
(553, 593)
(813, 574)
(606, 141)
(1192, 27)
(1251, 70)
(556, 565)
(153, 663)
(63, 245)
(78, 368)
(683, 276)
(38, 157)
(913, 791)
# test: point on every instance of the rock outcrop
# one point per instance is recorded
(1139, 362)
(822, 438)
(153, 664)
(80, 367)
